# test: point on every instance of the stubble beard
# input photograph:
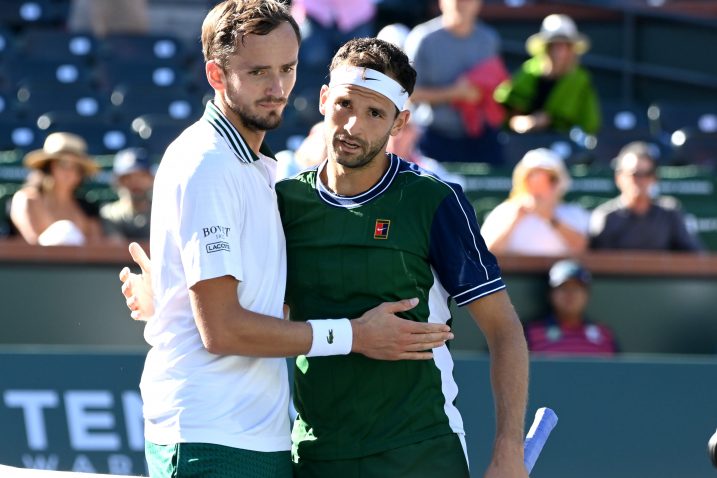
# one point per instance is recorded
(362, 160)
(255, 122)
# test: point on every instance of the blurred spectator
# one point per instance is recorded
(310, 152)
(46, 211)
(534, 220)
(104, 17)
(128, 217)
(457, 59)
(566, 330)
(395, 33)
(551, 91)
(328, 24)
(638, 218)
(404, 144)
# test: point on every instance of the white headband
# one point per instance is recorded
(371, 79)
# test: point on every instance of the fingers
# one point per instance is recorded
(124, 274)
(424, 327)
(400, 306)
(127, 288)
(140, 257)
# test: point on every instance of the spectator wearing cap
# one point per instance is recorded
(534, 220)
(639, 218)
(551, 91)
(47, 209)
(128, 217)
(566, 329)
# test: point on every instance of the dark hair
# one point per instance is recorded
(230, 21)
(640, 149)
(378, 55)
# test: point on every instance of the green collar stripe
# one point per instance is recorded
(227, 130)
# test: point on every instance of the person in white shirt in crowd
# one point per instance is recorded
(534, 220)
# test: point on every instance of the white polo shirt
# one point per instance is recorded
(214, 213)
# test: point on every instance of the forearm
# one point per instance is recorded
(496, 317)
(256, 335)
(509, 378)
(433, 95)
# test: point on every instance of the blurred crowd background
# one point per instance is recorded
(129, 74)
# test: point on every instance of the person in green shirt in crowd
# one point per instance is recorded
(551, 91)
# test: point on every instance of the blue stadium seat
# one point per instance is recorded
(102, 137)
(129, 103)
(516, 145)
(156, 132)
(23, 13)
(19, 71)
(56, 45)
(668, 117)
(19, 135)
(143, 49)
(33, 101)
(117, 74)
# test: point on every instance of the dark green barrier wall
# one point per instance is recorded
(63, 304)
(629, 418)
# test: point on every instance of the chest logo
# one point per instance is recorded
(330, 337)
(381, 229)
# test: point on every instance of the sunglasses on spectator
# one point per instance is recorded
(646, 173)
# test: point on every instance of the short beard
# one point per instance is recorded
(254, 122)
(365, 159)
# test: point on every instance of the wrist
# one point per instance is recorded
(330, 337)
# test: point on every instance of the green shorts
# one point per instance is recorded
(206, 460)
(438, 457)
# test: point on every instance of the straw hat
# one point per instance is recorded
(65, 146)
(544, 159)
(557, 27)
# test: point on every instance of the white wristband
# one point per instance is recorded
(330, 337)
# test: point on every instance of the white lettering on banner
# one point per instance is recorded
(40, 462)
(83, 464)
(132, 407)
(81, 420)
(119, 465)
(116, 464)
(32, 403)
(90, 420)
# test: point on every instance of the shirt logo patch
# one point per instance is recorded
(217, 231)
(330, 337)
(381, 229)
(218, 246)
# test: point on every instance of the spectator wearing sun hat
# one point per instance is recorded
(551, 91)
(129, 217)
(566, 330)
(534, 220)
(47, 210)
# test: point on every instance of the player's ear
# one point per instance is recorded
(215, 75)
(400, 121)
(323, 98)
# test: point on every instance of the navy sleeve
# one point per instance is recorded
(457, 252)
